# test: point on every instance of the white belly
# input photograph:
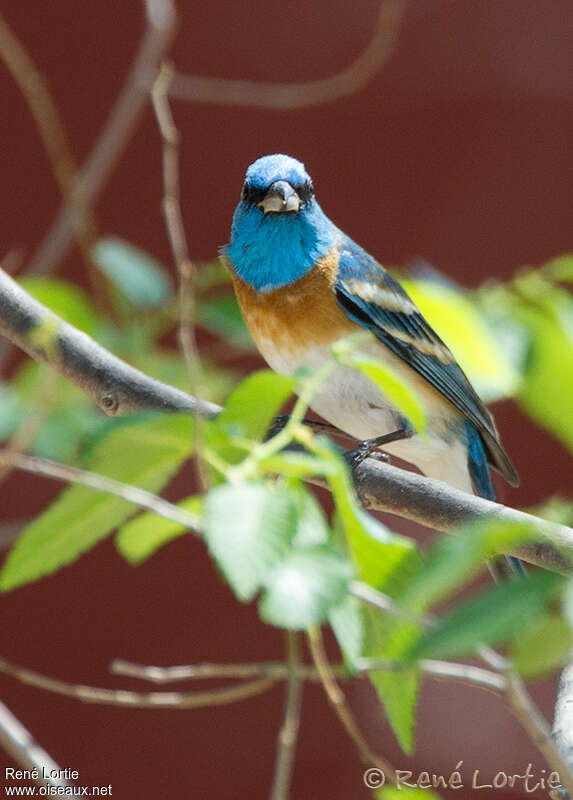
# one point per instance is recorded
(351, 402)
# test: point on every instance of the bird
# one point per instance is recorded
(302, 284)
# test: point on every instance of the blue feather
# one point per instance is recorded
(477, 463)
(269, 251)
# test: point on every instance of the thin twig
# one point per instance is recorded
(342, 709)
(121, 124)
(523, 707)
(178, 240)
(63, 472)
(288, 734)
(288, 96)
(265, 669)
(384, 603)
(37, 94)
(18, 742)
(113, 697)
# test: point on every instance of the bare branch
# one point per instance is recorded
(342, 709)
(286, 744)
(122, 122)
(288, 96)
(265, 669)
(63, 472)
(112, 697)
(35, 90)
(113, 385)
(176, 231)
(18, 742)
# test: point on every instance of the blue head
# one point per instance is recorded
(279, 230)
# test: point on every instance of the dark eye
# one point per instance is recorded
(305, 191)
(251, 194)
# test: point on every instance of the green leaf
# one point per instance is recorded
(294, 464)
(346, 622)
(145, 453)
(304, 587)
(489, 617)
(548, 378)
(65, 299)
(388, 639)
(395, 387)
(544, 645)
(139, 538)
(11, 412)
(379, 553)
(459, 323)
(456, 558)
(561, 268)
(248, 528)
(142, 279)
(222, 316)
(253, 405)
(312, 527)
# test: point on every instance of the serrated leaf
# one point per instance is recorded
(459, 323)
(254, 403)
(489, 617)
(456, 558)
(145, 453)
(248, 529)
(544, 645)
(312, 526)
(141, 278)
(304, 587)
(388, 639)
(139, 538)
(346, 622)
(391, 384)
(65, 299)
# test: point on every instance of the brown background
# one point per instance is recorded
(459, 151)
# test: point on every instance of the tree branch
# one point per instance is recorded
(112, 697)
(288, 96)
(288, 734)
(18, 742)
(124, 117)
(113, 385)
(118, 388)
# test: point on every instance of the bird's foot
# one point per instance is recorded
(369, 447)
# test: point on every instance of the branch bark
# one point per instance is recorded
(118, 388)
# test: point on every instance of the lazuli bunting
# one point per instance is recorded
(302, 283)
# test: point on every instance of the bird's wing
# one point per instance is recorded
(376, 301)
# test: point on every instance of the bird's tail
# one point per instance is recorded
(481, 479)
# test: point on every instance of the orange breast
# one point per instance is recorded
(297, 316)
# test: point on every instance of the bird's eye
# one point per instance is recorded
(305, 191)
(251, 194)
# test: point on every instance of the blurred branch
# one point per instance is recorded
(176, 232)
(264, 669)
(63, 472)
(122, 122)
(286, 744)
(118, 388)
(19, 743)
(35, 90)
(120, 697)
(562, 730)
(341, 707)
(288, 96)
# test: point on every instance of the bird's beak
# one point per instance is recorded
(280, 198)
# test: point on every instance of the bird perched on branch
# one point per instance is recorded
(302, 284)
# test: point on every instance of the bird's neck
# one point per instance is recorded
(269, 251)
